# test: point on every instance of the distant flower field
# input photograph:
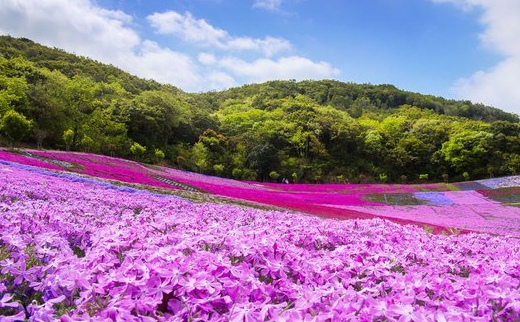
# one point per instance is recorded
(489, 206)
(76, 243)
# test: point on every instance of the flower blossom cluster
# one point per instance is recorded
(72, 250)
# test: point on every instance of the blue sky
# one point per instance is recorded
(462, 49)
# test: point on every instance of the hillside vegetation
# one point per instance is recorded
(309, 131)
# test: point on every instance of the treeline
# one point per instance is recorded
(309, 131)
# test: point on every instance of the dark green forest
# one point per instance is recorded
(307, 131)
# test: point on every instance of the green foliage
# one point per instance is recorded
(15, 126)
(219, 169)
(137, 149)
(513, 164)
(152, 117)
(13, 93)
(274, 175)
(468, 150)
(237, 173)
(87, 143)
(159, 155)
(200, 157)
(262, 159)
(68, 137)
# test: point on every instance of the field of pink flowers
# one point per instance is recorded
(489, 206)
(74, 248)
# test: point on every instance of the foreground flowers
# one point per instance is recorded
(81, 249)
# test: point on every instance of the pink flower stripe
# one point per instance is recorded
(466, 197)
(106, 167)
(488, 217)
(13, 157)
(192, 178)
(77, 252)
(361, 189)
(305, 202)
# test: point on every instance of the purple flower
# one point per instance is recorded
(6, 301)
(108, 254)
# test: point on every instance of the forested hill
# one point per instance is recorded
(358, 98)
(308, 131)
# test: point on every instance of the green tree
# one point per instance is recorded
(409, 156)
(50, 107)
(15, 126)
(106, 127)
(274, 175)
(86, 143)
(263, 158)
(469, 151)
(237, 173)
(216, 146)
(68, 138)
(513, 164)
(159, 155)
(218, 169)
(137, 150)
(200, 157)
(13, 93)
(79, 99)
(153, 117)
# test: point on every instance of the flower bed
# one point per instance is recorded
(15, 157)
(492, 218)
(342, 201)
(106, 167)
(505, 182)
(137, 256)
(509, 195)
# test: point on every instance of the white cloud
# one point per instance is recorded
(220, 80)
(187, 28)
(207, 59)
(497, 86)
(200, 32)
(165, 66)
(82, 28)
(76, 26)
(269, 45)
(293, 67)
(271, 5)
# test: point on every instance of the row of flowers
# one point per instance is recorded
(436, 205)
(104, 167)
(78, 251)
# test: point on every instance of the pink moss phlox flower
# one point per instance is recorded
(133, 256)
